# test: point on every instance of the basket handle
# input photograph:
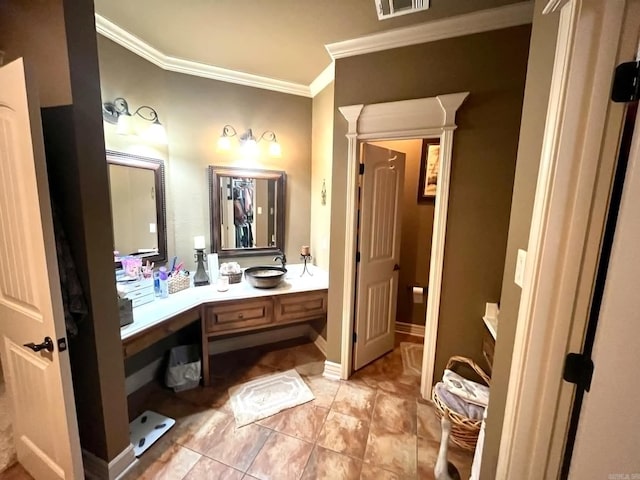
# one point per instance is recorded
(464, 360)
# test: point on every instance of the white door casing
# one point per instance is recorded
(379, 245)
(432, 117)
(38, 384)
(579, 147)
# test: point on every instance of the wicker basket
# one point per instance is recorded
(464, 431)
(178, 282)
(233, 277)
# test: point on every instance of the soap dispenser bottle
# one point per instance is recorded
(164, 282)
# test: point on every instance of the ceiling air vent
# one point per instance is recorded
(393, 8)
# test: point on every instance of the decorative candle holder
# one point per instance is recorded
(201, 277)
(306, 258)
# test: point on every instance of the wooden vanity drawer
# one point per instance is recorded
(300, 306)
(488, 348)
(236, 315)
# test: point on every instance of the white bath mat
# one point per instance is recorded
(145, 430)
(267, 395)
(411, 358)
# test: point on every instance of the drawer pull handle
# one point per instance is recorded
(240, 316)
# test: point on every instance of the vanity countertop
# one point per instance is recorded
(492, 326)
(161, 309)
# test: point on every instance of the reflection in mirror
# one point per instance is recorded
(247, 211)
(138, 206)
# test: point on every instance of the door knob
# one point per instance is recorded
(46, 345)
(396, 267)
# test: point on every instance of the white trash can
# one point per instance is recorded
(184, 369)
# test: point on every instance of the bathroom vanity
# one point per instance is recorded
(239, 310)
(247, 218)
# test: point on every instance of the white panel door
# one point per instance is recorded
(379, 247)
(38, 383)
(608, 438)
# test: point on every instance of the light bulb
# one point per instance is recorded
(250, 147)
(224, 143)
(125, 125)
(156, 133)
(274, 149)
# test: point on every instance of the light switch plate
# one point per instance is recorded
(152, 228)
(521, 262)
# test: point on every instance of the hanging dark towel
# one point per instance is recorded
(73, 301)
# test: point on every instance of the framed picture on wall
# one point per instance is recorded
(429, 166)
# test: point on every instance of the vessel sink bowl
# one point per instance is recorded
(265, 276)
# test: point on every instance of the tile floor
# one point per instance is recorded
(374, 426)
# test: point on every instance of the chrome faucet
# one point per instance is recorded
(283, 260)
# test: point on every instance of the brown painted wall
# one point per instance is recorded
(64, 55)
(534, 110)
(197, 109)
(321, 164)
(491, 66)
(45, 53)
(194, 110)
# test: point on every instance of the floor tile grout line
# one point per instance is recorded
(373, 408)
(397, 388)
(378, 391)
(246, 472)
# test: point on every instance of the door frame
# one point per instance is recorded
(579, 149)
(408, 119)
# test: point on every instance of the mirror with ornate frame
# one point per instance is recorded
(138, 207)
(247, 211)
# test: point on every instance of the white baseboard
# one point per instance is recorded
(98, 469)
(260, 338)
(318, 340)
(332, 370)
(145, 375)
(410, 329)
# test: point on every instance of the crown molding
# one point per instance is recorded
(461, 25)
(134, 44)
(321, 81)
(467, 24)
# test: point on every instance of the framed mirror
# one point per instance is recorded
(137, 186)
(247, 211)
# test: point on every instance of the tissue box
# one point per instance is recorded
(125, 309)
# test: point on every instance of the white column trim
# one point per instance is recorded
(436, 264)
(554, 6)
(418, 118)
(351, 114)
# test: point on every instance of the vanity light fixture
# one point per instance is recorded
(117, 113)
(249, 143)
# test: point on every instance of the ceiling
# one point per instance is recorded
(279, 39)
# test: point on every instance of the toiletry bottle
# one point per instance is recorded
(156, 283)
(164, 282)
